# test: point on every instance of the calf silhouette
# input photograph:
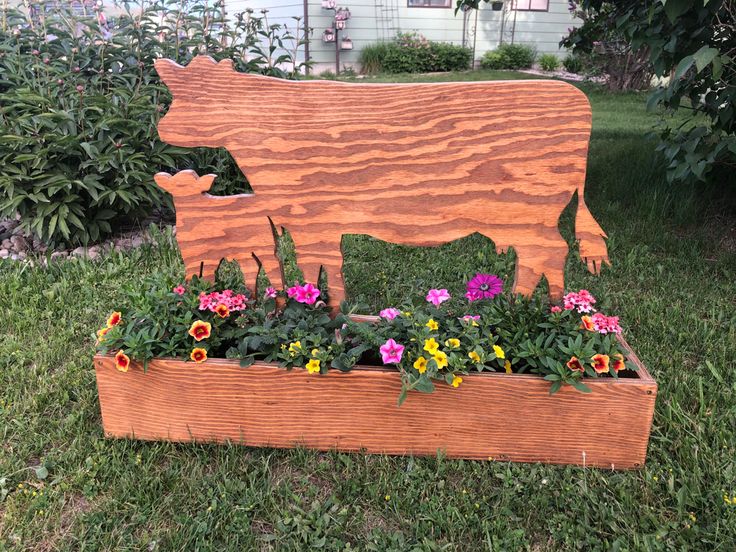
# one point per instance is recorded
(416, 164)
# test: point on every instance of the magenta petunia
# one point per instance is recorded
(270, 293)
(483, 286)
(437, 296)
(389, 313)
(391, 352)
(306, 293)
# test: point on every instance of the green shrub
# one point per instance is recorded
(450, 57)
(372, 56)
(509, 56)
(549, 62)
(412, 53)
(78, 114)
(572, 64)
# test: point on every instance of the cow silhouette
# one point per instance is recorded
(416, 164)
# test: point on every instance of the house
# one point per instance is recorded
(540, 23)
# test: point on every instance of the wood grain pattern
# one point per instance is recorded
(416, 164)
(504, 417)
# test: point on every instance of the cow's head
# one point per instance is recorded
(197, 91)
(184, 183)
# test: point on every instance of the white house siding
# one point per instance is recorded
(540, 29)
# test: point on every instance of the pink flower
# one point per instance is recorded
(233, 302)
(270, 293)
(389, 313)
(179, 290)
(437, 296)
(605, 324)
(582, 301)
(483, 286)
(470, 317)
(306, 294)
(391, 352)
(555, 308)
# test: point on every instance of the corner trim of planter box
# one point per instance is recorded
(508, 417)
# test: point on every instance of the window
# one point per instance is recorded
(531, 5)
(429, 3)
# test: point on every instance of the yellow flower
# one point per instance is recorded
(453, 343)
(315, 352)
(507, 366)
(475, 357)
(312, 366)
(407, 313)
(295, 348)
(456, 381)
(421, 364)
(441, 359)
(431, 346)
(499, 352)
(432, 325)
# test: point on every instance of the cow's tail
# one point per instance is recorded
(590, 236)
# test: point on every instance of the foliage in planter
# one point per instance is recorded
(509, 56)
(412, 53)
(548, 62)
(435, 340)
(692, 43)
(79, 103)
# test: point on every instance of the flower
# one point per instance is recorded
(575, 365)
(391, 352)
(582, 301)
(499, 352)
(179, 290)
(432, 325)
(483, 286)
(431, 346)
(618, 363)
(389, 313)
(475, 357)
(306, 294)
(456, 381)
(473, 319)
(295, 348)
(441, 359)
(200, 330)
(437, 296)
(270, 293)
(605, 324)
(101, 333)
(211, 301)
(122, 361)
(198, 355)
(421, 364)
(313, 366)
(507, 367)
(587, 323)
(222, 310)
(600, 363)
(453, 343)
(315, 352)
(114, 319)
(555, 308)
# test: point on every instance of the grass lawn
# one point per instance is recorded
(673, 281)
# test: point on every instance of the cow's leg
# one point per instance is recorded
(591, 238)
(314, 253)
(540, 254)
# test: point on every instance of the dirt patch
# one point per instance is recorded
(74, 506)
(299, 481)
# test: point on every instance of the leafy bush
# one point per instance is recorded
(509, 56)
(412, 53)
(549, 62)
(572, 64)
(79, 104)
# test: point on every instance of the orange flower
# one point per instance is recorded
(115, 319)
(101, 333)
(588, 323)
(198, 355)
(122, 361)
(575, 365)
(618, 363)
(200, 330)
(222, 310)
(600, 363)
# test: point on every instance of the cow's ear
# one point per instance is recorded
(172, 74)
(162, 179)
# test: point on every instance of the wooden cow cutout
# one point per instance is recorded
(415, 164)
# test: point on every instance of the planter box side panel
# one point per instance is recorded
(491, 416)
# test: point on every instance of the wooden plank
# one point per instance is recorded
(416, 164)
(504, 417)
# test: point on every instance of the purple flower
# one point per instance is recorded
(389, 313)
(483, 286)
(437, 296)
(270, 293)
(391, 352)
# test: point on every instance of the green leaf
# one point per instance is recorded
(247, 361)
(683, 66)
(704, 56)
(675, 8)
(41, 472)
(580, 386)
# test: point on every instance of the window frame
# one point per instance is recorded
(447, 7)
(515, 7)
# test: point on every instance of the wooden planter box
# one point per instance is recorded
(492, 416)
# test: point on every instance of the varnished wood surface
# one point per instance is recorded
(416, 164)
(491, 416)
